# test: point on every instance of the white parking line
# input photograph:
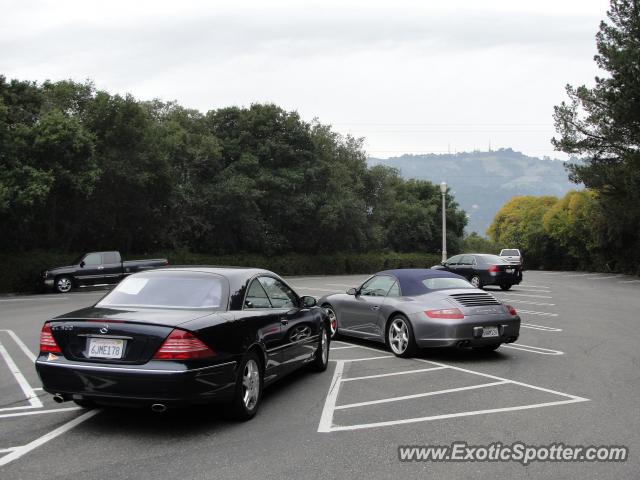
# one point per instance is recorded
(532, 349)
(24, 449)
(528, 302)
(343, 348)
(523, 295)
(39, 412)
(532, 289)
(404, 372)
(31, 299)
(360, 359)
(629, 281)
(21, 344)
(533, 312)
(20, 378)
(605, 278)
(540, 327)
(419, 395)
(326, 420)
(582, 274)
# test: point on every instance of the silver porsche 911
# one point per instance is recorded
(419, 308)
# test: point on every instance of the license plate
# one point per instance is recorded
(509, 270)
(105, 348)
(490, 332)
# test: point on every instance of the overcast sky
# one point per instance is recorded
(410, 77)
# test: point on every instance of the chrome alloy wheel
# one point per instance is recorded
(399, 336)
(63, 285)
(250, 384)
(475, 281)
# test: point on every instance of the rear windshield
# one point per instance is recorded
(510, 253)
(492, 259)
(170, 289)
(445, 282)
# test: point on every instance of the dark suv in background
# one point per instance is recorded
(483, 269)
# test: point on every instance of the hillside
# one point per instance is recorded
(483, 181)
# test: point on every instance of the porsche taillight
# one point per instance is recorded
(183, 345)
(450, 313)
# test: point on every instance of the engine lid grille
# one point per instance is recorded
(475, 299)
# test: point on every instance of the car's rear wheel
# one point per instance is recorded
(248, 392)
(321, 359)
(333, 319)
(400, 336)
(63, 284)
(476, 281)
(505, 286)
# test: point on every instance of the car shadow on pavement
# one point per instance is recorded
(451, 355)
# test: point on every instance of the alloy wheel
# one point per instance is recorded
(250, 384)
(399, 336)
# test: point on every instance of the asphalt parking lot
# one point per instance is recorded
(573, 378)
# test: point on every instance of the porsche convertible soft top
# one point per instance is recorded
(415, 281)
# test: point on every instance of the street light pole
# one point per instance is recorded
(443, 190)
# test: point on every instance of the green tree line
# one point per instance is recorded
(598, 228)
(83, 169)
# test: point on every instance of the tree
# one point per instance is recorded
(601, 125)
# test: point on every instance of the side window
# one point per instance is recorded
(256, 296)
(395, 290)
(280, 295)
(93, 259)
(466, 260)
(110, 258)
(453, 260)
(378, 286)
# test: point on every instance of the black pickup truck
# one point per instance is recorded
(93, 269)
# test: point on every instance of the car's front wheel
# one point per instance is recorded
(400, 337)
(505, 286)
(63, 284)
(248, 392)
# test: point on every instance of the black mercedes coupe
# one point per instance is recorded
(180, 336)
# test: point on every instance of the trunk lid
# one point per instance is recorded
(106, 335)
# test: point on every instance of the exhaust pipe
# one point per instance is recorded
(58, 398)
(158, 407)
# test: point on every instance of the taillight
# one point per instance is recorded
(48, 344)
(493, 268)
(452, 313)
(512, 311)
(182, 345)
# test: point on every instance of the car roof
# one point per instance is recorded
(225, 271)
(410, 279)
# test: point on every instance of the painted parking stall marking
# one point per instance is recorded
(356, 398)
(35, 405)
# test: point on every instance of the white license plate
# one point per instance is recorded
(490, 332)
(105, 348)
(509, 270)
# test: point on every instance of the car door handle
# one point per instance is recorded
(100, 267)
(375, 307)
(284, 321)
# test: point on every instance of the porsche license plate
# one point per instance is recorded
(490, 332)
(105, 348)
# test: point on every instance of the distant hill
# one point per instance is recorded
(483, 181)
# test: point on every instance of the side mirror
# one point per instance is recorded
(352, 291)
(82, 264)
(308, 301)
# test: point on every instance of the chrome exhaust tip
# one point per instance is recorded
(158, 407)
(58, 398)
